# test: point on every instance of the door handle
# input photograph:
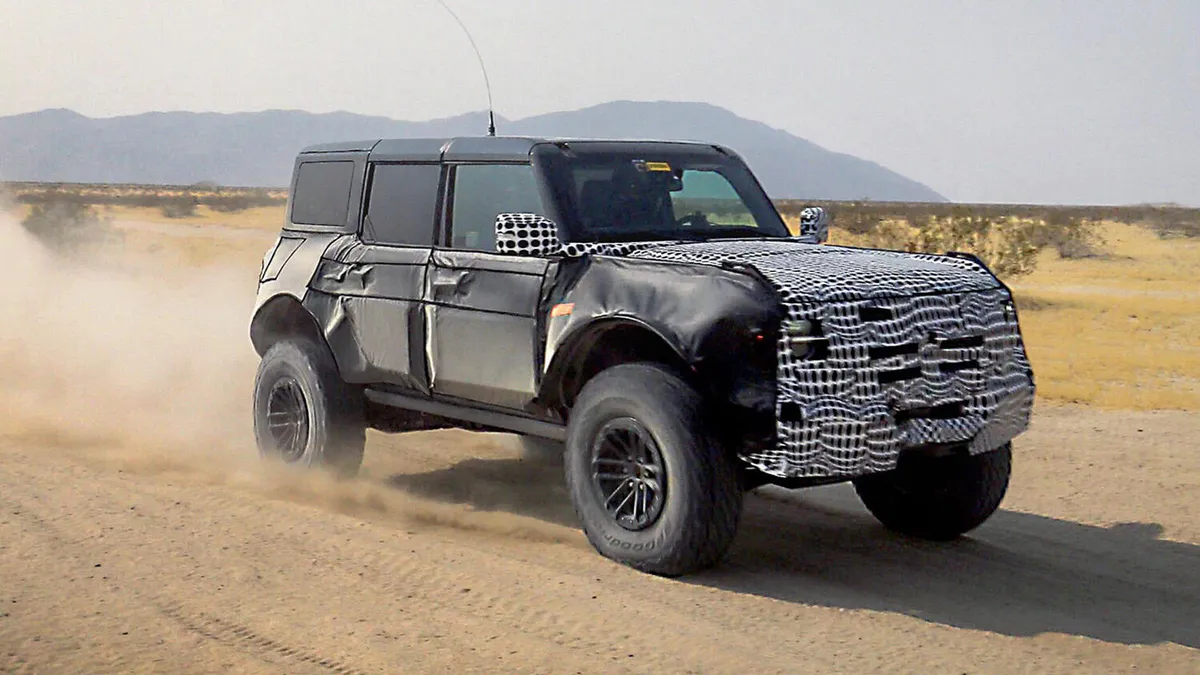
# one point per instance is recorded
(450, 280)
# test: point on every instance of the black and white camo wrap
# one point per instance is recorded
(920, 352)
(526, 234)
(937, 333)
(909, 338)
(814, 225)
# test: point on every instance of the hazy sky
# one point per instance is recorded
(1083, 101)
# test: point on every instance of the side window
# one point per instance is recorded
(322, 193)
(481, 191)
(402, 204)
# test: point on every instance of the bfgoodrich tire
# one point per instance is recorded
(938, 498)
(304, 414)
(651, 487)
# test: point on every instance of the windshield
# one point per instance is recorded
(632, 196)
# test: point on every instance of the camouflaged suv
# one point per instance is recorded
(642, 308)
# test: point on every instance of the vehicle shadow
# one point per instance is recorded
(525, 487)
(1020, 574)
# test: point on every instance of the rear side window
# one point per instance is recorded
(322, 193)
(402, 204)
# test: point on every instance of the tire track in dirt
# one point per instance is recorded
(239, 637)
(191, 591)
(530, 601)
(228, 634)
(516, 603)
(811, 585)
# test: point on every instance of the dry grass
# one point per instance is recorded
(1119, 332)
(257, 218)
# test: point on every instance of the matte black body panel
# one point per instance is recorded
(379, 292)
(494, 419)
(371, 339)
(291, 278)
(342, 146)
(496, 149)
(482, 315)
(711, 318)
(408, 150)
(487, 282)
(371, 280)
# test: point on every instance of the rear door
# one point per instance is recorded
(379, 278)
(482, 306)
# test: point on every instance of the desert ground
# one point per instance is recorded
(140, 533)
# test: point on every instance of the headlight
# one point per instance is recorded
(798, 328)
(804, 338)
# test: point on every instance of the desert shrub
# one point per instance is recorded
(67, 226)
(226, 199)
(1173, 222)
(1071, 234)
(854, 221)
(1008, 245)
(230, 203)
(180, 207)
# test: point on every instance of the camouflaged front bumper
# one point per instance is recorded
(891, 374)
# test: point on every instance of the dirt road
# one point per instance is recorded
(139, 533)
(115, 559)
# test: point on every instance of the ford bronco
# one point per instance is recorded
(642, 308)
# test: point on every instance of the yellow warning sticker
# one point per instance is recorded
(658, 166)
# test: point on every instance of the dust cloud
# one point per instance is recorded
(100, 347)
(135, 364)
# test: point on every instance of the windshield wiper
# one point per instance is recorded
(649, 235)
(735, 230)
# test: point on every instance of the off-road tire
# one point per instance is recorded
(938, 498)
(336, 433)
(702, 499)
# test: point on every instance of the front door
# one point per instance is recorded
(482, 306)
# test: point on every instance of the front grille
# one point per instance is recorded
(957, 366)
(962, 342)
(879, 353)
(896, 373)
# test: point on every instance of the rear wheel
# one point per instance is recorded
(938, 498)
(304, 414)
(649, 483)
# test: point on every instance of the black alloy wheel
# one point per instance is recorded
(287, 419)
(629, 473)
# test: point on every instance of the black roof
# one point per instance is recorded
(490, 148)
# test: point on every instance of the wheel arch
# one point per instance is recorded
(280, 317)
(602, 343)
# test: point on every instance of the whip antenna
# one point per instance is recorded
(487, 85)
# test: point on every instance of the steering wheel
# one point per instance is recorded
(690, 219)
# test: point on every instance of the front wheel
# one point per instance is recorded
(650, 484)
(304, 414)
(938, 498)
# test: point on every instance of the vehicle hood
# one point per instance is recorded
(819, 273)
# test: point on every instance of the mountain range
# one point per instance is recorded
(257, 149)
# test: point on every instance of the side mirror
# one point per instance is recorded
(814, 225)
(526, 234)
